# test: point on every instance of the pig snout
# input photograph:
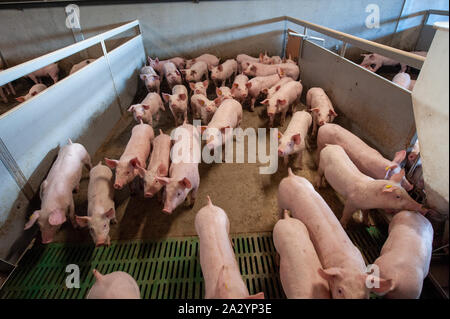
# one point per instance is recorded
(47, 238)
(118, 186)
(148, 194)
(321, 122)
(167, 210)
(280, 152)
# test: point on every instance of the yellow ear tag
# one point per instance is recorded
(219, 92)
(388, 186)
(387, 168)
(202, 102)
(279, 135)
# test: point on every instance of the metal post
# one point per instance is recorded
(105, 53)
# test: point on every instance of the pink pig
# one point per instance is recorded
(35, 90)
(217, 260)
(151, 79)
(287, 95)
(184, 178)
(136, 153)
(224, 72)
(79, 66)
(271, 91)
(158, 65)
(172, 75)
(368, 160)
(239, 90)
(149, 106)
(56, 191)
(196, 72)
(223, 93)
(158, 165)
(412, 156)
(299, 262)
(244, 60)
(321, 107)
(202, 108)
(258, 84)
(115, 285)
(178, 102)
(361, 191)
(259, 69)
(50, 70)
(343, 265)
(211, 60)
(101, 209)
(403, 79)
(406, 254)
(199, 87)
(293, 141)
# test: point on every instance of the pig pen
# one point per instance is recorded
(161, 251)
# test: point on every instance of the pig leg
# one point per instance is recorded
(319, 178)
(54, 78)
(185, 116)
(314, 130)
(252, 104)
(34, 78)
(366, 219)
(193, 195)
(72, 214)
(347, 214)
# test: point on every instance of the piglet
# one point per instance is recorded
(224, 72)
(196, 72)
(172, 75)
(374, 61)
(361, 191)
(151, 79)
(202, 108)
(178, 102)
(51, 70)
(115, 285)
(287, 95)
(244, 60)
(406, 254)
(259, 69)
(199, 87)
(403, 79)
(239, 90)
(258, 84)
(35, 90)
(223, 93)
(56, 191)
(343, 265)
(211, 60)
(299, 262)
(368, 160)
(79, 66)
(158, 65)
(101, 209)
(218, 263)
(321, 107)
(158, 165)
(149, 106)
(136, 153)
(293, 141)
(227, 115)
(271, 91)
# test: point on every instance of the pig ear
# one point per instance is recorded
(141, 171)
(111, 213)
(192, 86)
(135, 162)
(296, 138)
(259, 295)
(220, 68)
(332, 112)
(399, 156)
(330, 273)
(143, 76)
(34, 93)
(389, 188)
(397, 178)
(205, 83)
(111, 163)
(253, 68)
(248, 85)
(163, 180)
(384, 285)
(56, 217)
(265, 91)
(266, 101)
(33, 218)
(82, 221)
(98, 276)
(217, 101)
(193, 72)
(316, 109)
(20, 99)
(185, 182)
(235, 85)
(280, 135)
(166, 97)
(146, 107)
(201, 102)
(182, 96)
(261, 57)
(131, 108)
(157, 60)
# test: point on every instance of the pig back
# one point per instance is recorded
(116, 285)
(139, 143)
(100, 190)
(227, 114)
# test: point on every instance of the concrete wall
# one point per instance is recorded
(224, 28)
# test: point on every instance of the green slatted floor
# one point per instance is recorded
(163, 269)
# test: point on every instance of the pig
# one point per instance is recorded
(368, 160)
(56, 191)
(136, 153)
(293, 141)
(402, 79)
(222, 93)
(227, 115)
(149, 106)
(217, 260)
(256, 85)
(50, 70)
(158, 165)
(265, 59)
(406, 254)
(158, 65)
(361, 191)
(151, 79)
(288, 60)
(287, 95)
(197, 72)
(115, 285)
(202, 108)
(224, 72)
(101, 208)
(79, 66)
(199, 87)
(35, 90)
(211, 60)
(239, 90)
(184, 178)
(321, 107)
(172, 75)
(178, 102)
(243, 60)
(269, 92)
(374, 61)
(343, 265)
(259, 69)
(299, 262)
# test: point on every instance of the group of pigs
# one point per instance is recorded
(317, 259)
(51, 70)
